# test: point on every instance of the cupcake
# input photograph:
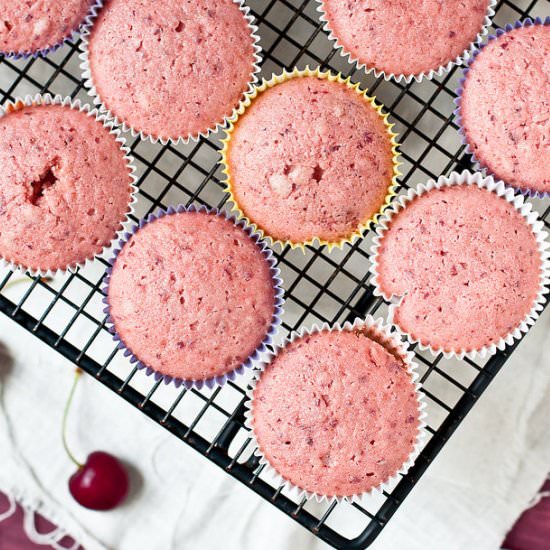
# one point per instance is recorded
(468, 262)
(504, 106)
(170, 69)
(406, 40)
(310, 157)
(336, 413)
(193, 297)
(65, 184)
(30, 28)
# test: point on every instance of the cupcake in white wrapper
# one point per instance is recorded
(407, 41)
(465, 264)
(67, 185)
(336, 412)
(170, 71)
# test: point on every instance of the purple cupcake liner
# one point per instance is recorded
(95, 6)
(528, 22)
(258, 352)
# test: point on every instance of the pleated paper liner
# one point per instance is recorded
(391, 340)
(249, 100)
(531, 219)
(466, 55)
(262, 347)
(47, 99)
(135, 132)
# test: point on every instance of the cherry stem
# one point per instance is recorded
(77, 375)
(24, 280)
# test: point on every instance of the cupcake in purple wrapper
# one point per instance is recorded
(193, 296)
(336, 414)
(504, 106)
(36, 28)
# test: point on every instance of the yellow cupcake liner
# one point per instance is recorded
(279, 79)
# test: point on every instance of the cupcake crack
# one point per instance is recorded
(47, 179)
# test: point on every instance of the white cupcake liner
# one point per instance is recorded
(47, 99)
(95, 6)
(271, 333)
(408, 78)
(533, 221)
(478, 165)
(143, 135)
(391, 339)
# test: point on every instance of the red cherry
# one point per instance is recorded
(101, 483)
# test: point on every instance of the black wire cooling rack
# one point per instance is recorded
(66, 313)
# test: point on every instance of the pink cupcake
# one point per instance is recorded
(66, 184)
(405, 40)
(504, 106)
(36, 28)
(467, 262)
(336, 412)
(170, 69)
(310, 157)
(193, 297)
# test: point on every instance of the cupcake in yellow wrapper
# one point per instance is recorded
(310, 158)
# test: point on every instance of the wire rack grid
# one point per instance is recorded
(67, 312)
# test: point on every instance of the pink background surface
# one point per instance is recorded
(532, 530)
(12, 534)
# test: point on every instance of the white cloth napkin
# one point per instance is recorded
(469, 497)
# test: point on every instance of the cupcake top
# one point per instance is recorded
(191, 295)
(171, 69)
(310, 157)
(467, 265)
(336, 413)
(27, 27)
(65, 187)
(505, 107)
(403, 37)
